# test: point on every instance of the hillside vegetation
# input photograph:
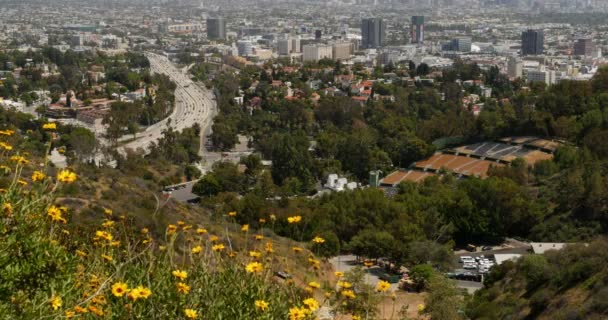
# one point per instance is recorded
(568, 284)
(73, 246)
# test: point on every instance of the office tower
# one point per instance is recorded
(318, 34)
(584, 47)
(515, 67)
(216, 28)
(316, 52)
(462, 44)
(373, 32)
(417, 29)
(245, 48)
(532, 42)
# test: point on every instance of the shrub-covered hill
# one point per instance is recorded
(94, 243)
(569, 284)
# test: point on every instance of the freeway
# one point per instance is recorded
(193, 104)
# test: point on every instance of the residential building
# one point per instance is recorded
(341, 50)
(316, 52)
(515, 68)
(284, 46)
(541, 75)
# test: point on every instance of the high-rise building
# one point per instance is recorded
(515, 67)
(373, 31)
(417, 29)
(532, 42)
(316, 52)
(584, 47)
(216, 28)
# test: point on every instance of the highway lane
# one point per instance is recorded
(193, 104)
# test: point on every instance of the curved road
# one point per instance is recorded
(193, 104)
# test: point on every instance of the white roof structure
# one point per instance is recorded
(542, 247)
(502, 257)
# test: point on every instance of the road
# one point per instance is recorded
(193, 104)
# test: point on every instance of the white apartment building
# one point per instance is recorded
(316, 52)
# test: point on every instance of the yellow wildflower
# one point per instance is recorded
(312, 304)
(190, 313)
(107, 224)
(261, 305)
(344, 284)
(119, 289)
(139, 292)
(107, 211)
(7, 132)
(49, 126)
(259, 237)
(201, 231)
(214, 238)
(107, 257)
(55, 302)
(7, 208)
(38, 176)
(339, 274)
(19, 159)
(97, 311)
(383, 286)
(294, 219)
(232, 214)
(245, 228)
(218, 247)
(80, 309)
(197, 249)
(296, 313)
(255, 254)
(66, 176)
(182, 288)
(171, 229)
(100, 234)
(318, 240)
(349, 294)
(262, 220)
(69, 314)
(297, 249)
(180, 274)
(56, 214)
(314, 285)
(268, 247)
(144, 231)
(254, 267)
(81, 253)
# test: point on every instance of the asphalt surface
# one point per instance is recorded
(193, 104)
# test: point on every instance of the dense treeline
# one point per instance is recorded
(564, 199)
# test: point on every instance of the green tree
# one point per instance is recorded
(444, 301)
